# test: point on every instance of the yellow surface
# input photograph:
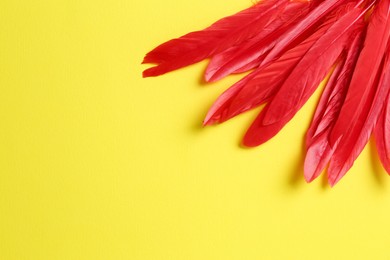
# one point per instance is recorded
(98, 163)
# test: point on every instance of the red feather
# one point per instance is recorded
(196, 46)
(365, 99)
(318, 148)
(304, 79)
(292, 45)
(259, 86)
(254, 50)
(382, 134)
(302, 27)
(352, 144)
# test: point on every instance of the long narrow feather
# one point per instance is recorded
(352, 144)
(304, 79)
(196, 46)
(366, 70)
(365, 97)
(330, 90)
(259, 86)
(323, 9)
(382, 135)
(248, 52)
(318, 148)
(292, 45)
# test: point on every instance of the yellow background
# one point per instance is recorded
(98, 163)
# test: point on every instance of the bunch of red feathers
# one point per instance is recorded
(290, 46)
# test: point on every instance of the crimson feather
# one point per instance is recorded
(352, 144)
(323, 9)
(254, 50)
(304, 79)
(382, 134)
(365, 97)
(318, 148)
(259, 86)
(199, 45)
(291, 46)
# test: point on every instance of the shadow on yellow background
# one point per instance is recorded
(98, 163)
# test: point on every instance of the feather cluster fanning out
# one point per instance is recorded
(290, 46)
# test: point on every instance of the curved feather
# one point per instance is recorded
(352, 144)
(365, 97)
(370, 59)
(196, 46)
(305, 78)
(241, 55)
(382, 135)
(330, 90)
(259, 86)
(318, 149)
(292, 45)
(323, 9)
